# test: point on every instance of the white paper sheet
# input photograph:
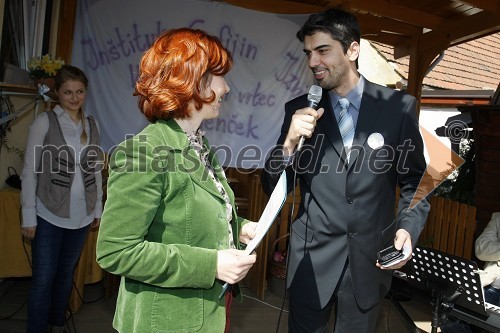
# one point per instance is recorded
(269, 214)
(272, 209)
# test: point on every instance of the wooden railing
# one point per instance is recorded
(256, 278)
(449, 228)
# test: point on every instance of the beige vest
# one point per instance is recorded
(57, 168)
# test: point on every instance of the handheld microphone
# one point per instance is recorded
(313, 98)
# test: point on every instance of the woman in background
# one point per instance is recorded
(169, 226)
(487, 247)
(61, 198)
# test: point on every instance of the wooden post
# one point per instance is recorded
(420, 60)
(66, 27)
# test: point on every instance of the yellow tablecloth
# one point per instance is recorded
(15, 252)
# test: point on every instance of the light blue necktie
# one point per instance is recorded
(346, 126)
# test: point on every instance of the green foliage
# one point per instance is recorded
(460, 185)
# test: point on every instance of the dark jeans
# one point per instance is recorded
(492, 295)
(55, 252)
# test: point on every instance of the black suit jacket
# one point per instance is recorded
(348, 210)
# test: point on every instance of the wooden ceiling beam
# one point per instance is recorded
(369, 22)
(276, 6)
(397, 12)
(388, 39)
(488, 5)
(455, 32)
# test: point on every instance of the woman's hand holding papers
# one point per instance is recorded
(233, 265)
(248, 232)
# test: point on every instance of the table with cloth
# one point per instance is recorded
(15, 251)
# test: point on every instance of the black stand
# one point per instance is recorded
(449, 280)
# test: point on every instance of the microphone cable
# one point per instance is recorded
(313, 100)
(295, 166)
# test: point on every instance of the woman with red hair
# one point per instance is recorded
(169, 226)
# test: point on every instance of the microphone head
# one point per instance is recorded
(314, 94)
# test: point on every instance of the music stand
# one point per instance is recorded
(450, 280)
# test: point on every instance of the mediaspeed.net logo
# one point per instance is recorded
(442, 160)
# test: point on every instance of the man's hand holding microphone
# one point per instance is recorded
(304, 121)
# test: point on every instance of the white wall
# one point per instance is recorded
(432, 118)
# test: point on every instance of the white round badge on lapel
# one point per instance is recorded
(375, 140)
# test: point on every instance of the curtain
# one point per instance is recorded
(23, 31)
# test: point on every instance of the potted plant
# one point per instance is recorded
(43, 69)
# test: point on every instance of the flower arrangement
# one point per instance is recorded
(44, 66)
(279, 256)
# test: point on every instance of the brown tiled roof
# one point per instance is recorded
(471, 65)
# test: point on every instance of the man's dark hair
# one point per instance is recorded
(341, 25)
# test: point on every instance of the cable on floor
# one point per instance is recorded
(18, 309)
(270, 305)
(81, 297)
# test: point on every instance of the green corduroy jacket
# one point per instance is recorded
(162, 225)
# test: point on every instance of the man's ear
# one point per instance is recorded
(353, 51)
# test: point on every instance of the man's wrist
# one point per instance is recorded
(289, 147)
(288, 159)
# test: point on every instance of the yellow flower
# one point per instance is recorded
(44, 66)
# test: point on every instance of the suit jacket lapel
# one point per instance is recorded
(368, 113)
(328, 125)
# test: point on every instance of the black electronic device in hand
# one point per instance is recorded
(389, 255)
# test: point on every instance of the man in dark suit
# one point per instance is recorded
(347, 183)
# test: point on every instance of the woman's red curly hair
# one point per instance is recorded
(176, 70)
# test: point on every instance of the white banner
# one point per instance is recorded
(269, 68)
